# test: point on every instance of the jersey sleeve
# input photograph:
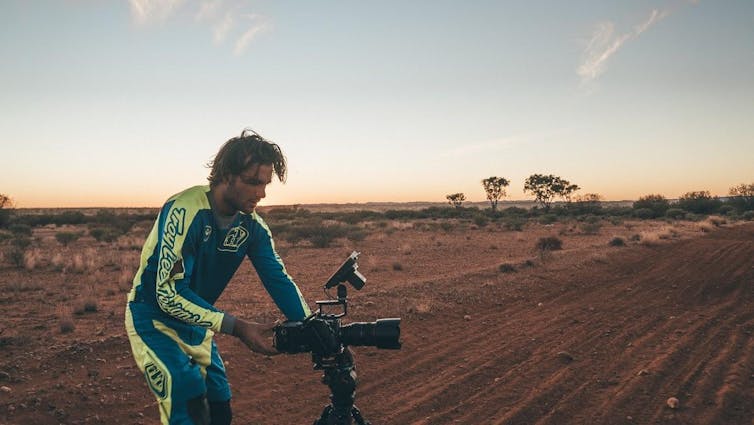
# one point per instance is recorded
(176, 258)
(271, 270)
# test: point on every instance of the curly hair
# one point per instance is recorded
(239, 153)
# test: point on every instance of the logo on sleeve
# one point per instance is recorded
(207, 232)
(234, 239)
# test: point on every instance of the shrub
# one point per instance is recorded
(397, 266)
(644, 213)
(726, 209)
(550, 243)
(105, 234)
(481, 220)
(590, 228)
(748, 215)
(657, 204)
(700, 202)
(323, 235)
(16, 257)
(515, 223)
(65, 238)
(548, 219)
(675, 213)
(20, 229)
(506, 268)
(617, 241)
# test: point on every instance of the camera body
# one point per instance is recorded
(322, 333)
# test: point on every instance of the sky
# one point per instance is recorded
(123, 103)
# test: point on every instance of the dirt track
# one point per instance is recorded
(604, 341)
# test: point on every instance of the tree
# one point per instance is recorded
(546, 187)
(456, 199)
(742, 196)
(655, 203)
(699, 202)
(494, 186)
(5, 209)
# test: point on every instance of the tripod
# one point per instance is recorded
(340, 376)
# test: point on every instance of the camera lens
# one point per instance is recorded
(384, 333)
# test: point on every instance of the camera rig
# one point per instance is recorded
(323, 335)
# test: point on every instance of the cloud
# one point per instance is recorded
(225, 18)
(258, 25)
(604, 43)
(145, 11)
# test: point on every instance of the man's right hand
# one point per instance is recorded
(256, 336)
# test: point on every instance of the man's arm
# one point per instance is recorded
(272, 272)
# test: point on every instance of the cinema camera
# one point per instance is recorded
(323, 335)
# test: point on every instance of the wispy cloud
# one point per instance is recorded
(257, 25)
(227, 20)
(145, 11)
(606, 42)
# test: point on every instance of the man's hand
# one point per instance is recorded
(256, 336)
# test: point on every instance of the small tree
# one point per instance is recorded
(456, 199)
(546, 187)
(700, 202)
(5, 209)
(742, 196)
(494, 186)
(655, 203)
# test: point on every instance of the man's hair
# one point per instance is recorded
(239, 153)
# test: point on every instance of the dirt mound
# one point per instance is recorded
(578, 338)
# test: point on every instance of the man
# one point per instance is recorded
(197, 243)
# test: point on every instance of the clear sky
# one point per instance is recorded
(121, 103)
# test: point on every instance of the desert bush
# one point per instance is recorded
(590, 228)
(323, 236)
(514, 223)
(700, 202)
(105, 234)
(617, 241)
(355, 234)
(397, 266)
(726, 209)
(748, 215)
(15, 256)
(675, 213)
(19, 229)
(644, 213)
(65, 238)
(657, 204)
(548, 218)
(549, 243)
(481, 220)
(506, 268)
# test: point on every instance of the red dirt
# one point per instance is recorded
(578, 338)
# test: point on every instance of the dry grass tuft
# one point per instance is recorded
(32, 259)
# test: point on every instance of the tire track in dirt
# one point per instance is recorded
(680, 321)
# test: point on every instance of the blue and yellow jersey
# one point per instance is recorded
(188, 259)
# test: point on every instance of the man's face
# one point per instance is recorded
(248, 188)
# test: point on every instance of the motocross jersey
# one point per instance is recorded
(189, 257)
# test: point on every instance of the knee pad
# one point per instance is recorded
(198, 410)
(220, 412)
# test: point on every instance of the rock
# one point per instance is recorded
(643, 372)
(4, 376)
(5, 389)
(673, 403)
(467, 317)
(565, 356)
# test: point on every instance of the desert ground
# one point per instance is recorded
(493, 330)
